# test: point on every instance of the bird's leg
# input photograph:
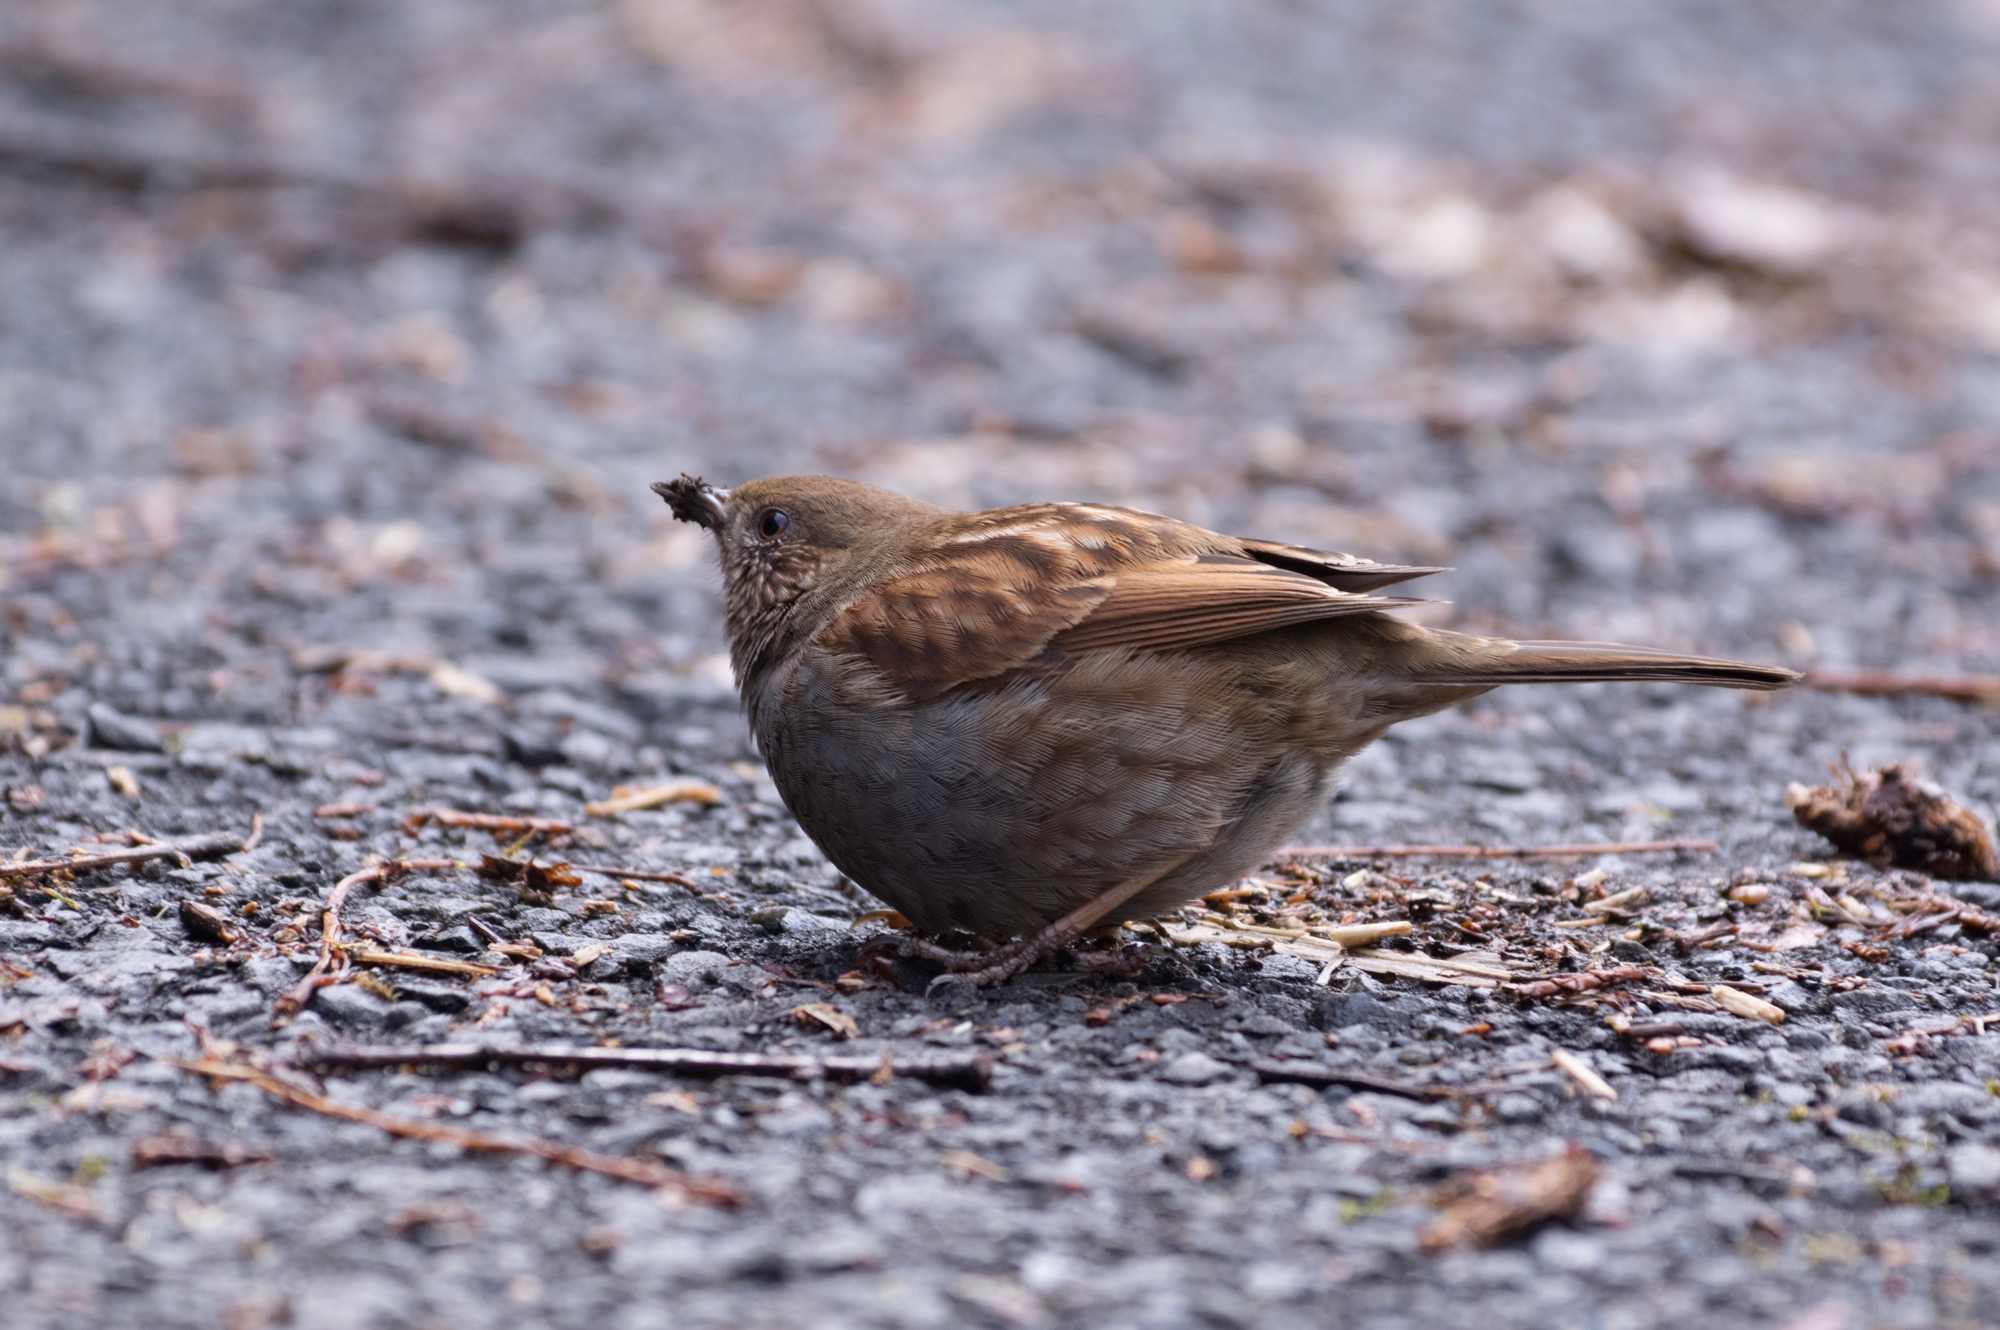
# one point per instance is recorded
(979, 968)
(907, 946)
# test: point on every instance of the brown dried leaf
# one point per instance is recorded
(536, 882)
(826, 1014)
(1503, 1203)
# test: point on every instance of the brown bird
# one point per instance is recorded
(1014, 723)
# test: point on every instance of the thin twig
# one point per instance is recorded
(159, 1151)
(637, 874)
(1321, 1076)
(1494, 851)
(645, 1172)
(497, 822)
(410, 960)
(213, 846)
(1894, 683)
(322, 972)
(960, 1071)
(331, 952)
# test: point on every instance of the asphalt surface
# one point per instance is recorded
(338, 343)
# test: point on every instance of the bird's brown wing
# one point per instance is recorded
(1210, 598)
(1344, 572)
(970, 620)
(1037, 592)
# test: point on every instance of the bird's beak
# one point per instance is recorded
(694, 500)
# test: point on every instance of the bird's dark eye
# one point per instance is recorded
(771, 523)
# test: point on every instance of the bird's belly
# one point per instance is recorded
(997, 809)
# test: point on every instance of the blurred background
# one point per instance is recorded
(357, 328)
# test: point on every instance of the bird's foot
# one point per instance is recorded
(976, 969)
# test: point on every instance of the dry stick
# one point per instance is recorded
(1494, 851)
(497, 822)
(159, 1151)
(213, 846)
(410, 960)
(642, 1171)
(1891, 683)
(963, 1071)
(638, 875)
(1315, 1074)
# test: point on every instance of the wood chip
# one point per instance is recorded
(632, 799)
(1316, 949)
(1580, 1071)
(1739, 1003)
(1618, 903)
(457, 681)
(1362, 935)
(206, 924)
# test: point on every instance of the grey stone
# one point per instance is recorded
(110, 728)
(1974, 1170)
(695, 970)
(350, 1005)
(1194, 1069)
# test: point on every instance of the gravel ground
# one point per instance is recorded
(340, 340)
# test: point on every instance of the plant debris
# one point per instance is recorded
(1890, 817)
(538, 883)
(967, 1071)
(644, 1172)
(214, 846)
(1493, 1206)
(172, 1149)
(636, 798)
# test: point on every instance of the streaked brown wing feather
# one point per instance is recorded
(1033, 584)
(1193, 602)
(961, 623)
(1345, 572)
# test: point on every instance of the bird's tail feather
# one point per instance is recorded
(1497, 661)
